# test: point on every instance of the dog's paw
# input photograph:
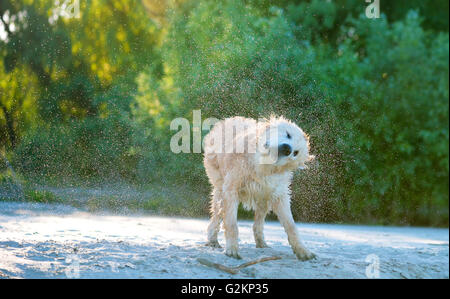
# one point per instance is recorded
(262, 244)
(233, 253)
(304, 254)
(213, 244)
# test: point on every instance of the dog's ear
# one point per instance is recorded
(262, 134)
(303, 165)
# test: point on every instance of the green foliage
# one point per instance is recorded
(85, 84)
(17, 112)
(314, 20)
(394, 118)
(88, 148)
(376, 106)
(245, 64)
(41, 197)
(102, 90)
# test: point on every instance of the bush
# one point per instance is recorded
(388, 86)
(372, 94)
(91, 148)
(376, 105)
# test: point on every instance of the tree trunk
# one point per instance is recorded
(9, 126)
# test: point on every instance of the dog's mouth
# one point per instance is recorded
(293, 160)
(272, 156)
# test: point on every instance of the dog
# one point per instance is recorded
(252, 162)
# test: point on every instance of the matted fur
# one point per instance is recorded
(245, 176)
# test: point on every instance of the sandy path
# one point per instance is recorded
(54, 241)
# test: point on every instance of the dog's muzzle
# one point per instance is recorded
(284, 150)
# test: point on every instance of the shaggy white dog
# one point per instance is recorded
(253, 162)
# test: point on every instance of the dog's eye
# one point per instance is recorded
(295, 153)
(288, 135)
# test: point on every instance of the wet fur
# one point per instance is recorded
(240, 177)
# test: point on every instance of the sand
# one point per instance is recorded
(57, 241)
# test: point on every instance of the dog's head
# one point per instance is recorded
(284, 145)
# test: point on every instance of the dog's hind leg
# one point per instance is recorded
(216, 219)
(230, 208)
(258, 226)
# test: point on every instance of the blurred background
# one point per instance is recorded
(88, 89)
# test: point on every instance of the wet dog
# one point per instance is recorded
(252, 162)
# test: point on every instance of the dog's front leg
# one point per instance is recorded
(231, 204)
(283, 210)
(258, 226)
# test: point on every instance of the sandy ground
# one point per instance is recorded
(55, 241)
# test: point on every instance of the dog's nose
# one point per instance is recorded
(284, 150)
